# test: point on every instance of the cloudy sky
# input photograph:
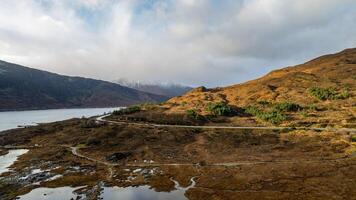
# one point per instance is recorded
(194, 42)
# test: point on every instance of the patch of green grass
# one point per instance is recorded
(273, 116)
(322, 93)
(311, 107)
(220, 109)
(272, 112)
(253, 110)
(193, 114)
(304, 114)
(328, 93)
(353, 138)
(287, 107)
(343, 95)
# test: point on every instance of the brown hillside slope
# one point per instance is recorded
(289, 84)
(335, 72)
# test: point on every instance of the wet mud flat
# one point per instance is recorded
(223, 164)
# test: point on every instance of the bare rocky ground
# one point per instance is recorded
(225, 164)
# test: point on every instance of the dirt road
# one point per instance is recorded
(101, 119)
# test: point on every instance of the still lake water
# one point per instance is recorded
(13, 119)
(108, 193)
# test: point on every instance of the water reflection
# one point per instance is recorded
(144, 193)
(14, 119)
(8, 159)
(61, 193)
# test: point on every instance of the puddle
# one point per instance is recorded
(54, 177)
(144, 193)
(108, 193)
(136, 170)
(8, 159)
(36, 171)
(61, 193)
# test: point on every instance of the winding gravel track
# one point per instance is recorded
(75, 152)
(101, 119)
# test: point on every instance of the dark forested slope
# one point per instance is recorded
(23, 88)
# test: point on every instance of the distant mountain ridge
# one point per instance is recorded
(23, 88)
(168, 90)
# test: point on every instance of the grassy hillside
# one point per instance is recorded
(320, 91)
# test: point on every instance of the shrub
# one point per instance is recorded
(343, 95)
(304, 114)
(193, 114)
(323, 93)
(126, 111)
(312, 107)
(287, 107)
(272, 116)
(252, 110)
(220, 109)
(353, 138)
(328, 93)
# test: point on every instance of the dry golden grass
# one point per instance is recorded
(288, 84)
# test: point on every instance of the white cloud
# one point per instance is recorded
(188, 41)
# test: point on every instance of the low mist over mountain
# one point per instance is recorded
(168, 90)
(23, 88)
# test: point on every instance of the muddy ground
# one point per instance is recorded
(3, 152)
(225, 164)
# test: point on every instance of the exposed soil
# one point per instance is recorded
(3, 152)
